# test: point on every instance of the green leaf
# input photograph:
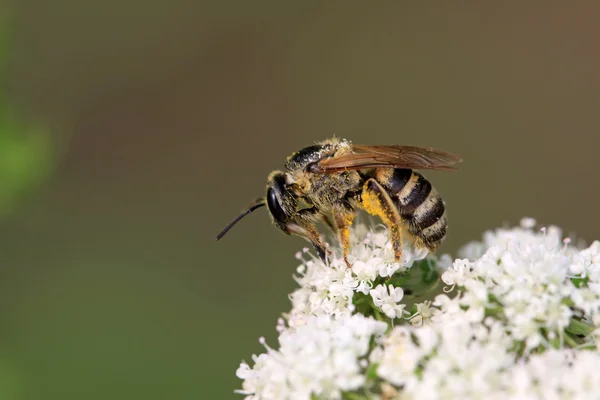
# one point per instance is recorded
(372, 371)
(363, 304)
(353, 396)
(580, 282)
(420, 280)
(570, 341)
(579, 328)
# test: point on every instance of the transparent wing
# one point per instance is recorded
(410, 157)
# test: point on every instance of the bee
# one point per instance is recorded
(329, 181)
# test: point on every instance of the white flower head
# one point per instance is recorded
(329, 288)
(320, 358)
(523, 322)
(425, 314)
(387, 299)
(399, 357)
(525, 277)
(459, 358)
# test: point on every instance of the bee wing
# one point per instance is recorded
(409, 157)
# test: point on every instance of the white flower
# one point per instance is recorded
(457, 359)
(587, 262)
(458, 273)
(400, 357)
(554, 374)
(465, 359)
(475, 298)
(527, 274)
(511, 330)
(425, 313)
(364, 275)
(388, 301)
(446, 304)
(320, 358)
(328, 289)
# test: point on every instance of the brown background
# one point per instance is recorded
(169, 118)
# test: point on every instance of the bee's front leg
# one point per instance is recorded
(303, 224)
(343, 216)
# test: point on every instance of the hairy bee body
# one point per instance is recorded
(323, 190)
(331, 180)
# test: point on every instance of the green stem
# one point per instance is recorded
(377, 313)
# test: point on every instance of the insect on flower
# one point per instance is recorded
(331, 180)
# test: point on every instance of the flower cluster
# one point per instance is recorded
(329, 289)
(534, 282)
(459, 359)
(321, 356)
(456, 358)
(520, 318)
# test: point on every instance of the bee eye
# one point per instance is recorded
(274, 206)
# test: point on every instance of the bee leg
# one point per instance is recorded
(376, 201)
(315, 238)
(310, 233)
(303, 225)
(343, 216)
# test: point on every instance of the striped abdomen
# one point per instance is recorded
(419, 204)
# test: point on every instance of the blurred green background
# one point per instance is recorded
(153, 124)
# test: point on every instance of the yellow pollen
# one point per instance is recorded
(373, 205)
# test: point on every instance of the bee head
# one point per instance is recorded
(281, 202)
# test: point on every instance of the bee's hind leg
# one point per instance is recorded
(376, 201)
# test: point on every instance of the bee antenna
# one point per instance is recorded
(253, 207)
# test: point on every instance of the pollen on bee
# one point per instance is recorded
(349, 219)
(372, 205)
(419, 243)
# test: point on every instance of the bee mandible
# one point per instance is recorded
(329, 181)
